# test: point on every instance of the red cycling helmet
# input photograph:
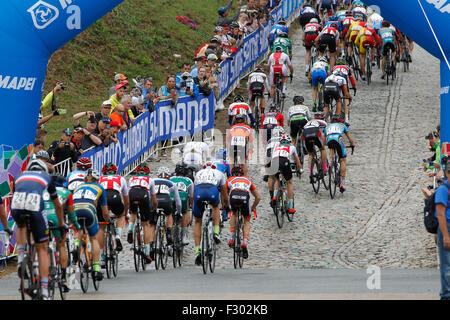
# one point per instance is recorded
(143, 170)
(109, 168)
(209, 164)
(84, 163)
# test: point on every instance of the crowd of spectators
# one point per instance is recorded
(125, 103)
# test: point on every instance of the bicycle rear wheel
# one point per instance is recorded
(315, 175)
(205, 246)
(240, 238)
(83, 264)
(212, 248)
(26, 279)
(137, 246)
(236, 244)
(176, 244)
(325, 180)
(52, 277)
(108, 256)
(95, 281)
(164, 249)
(280, 209)
(62, 292)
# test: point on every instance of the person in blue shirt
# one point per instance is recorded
(334, 132)
(89, 201)
(277, 29)
(149, 93)
(388, 38)
(221, 162)
(442, 200)
(185, 83)
(306, 14)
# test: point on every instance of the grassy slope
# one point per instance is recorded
(139, 37)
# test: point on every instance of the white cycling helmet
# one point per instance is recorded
(314, 20)
(37, 165)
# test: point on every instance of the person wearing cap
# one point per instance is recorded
(212, 64)
(118, 78)
(90, 138)
(121, 90)
(137, 106)
(104, 111)
(103, 130)
(199, 62)
(223, 13)
(442, 213)
(117, 117)
(62, 149)
(435, 146)
(114, 129)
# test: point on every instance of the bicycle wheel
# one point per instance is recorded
(114, 259)
(368, 67)
(62, 292)
(205, 246)
(315, 175)
(241, 240)
(52, 276)
(164, 249)
(236, 243)
(280, 209)
(257, 115)
(26, 279)
(137, 246)
(83, 264)
(324, 180)
(108, 262)
(290, 216)
(175, 245)
(212, 248)
(95, 281)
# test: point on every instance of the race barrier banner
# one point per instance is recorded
(166, 122)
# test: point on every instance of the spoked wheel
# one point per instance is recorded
(325, 180)
(84, 268)
(176, 245)
(137, 247)
(315, 175)
(279, 212)
(162, 250)
(115, 262)
(52, 280)
(95, 281)
(205, 246)
(62, 289)
(238, 239)
(26, 279)
(212, 251)
(108, 262)
(333, 179)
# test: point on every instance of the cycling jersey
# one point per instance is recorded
(282, 157)
(328, 38)
(199, 147)
(270, 120)
(278, 62)
(298, 117)
(306, 14)
(271, 144)
(285, 151)
(276, 30)
(193, 159)
(341, 15)
(239, 141)
(88, 199)
(207, 184)
(359, 12)
(354, 29)
(239, 108)
(284, 43)
(387, 36)
(141, 190)
(332, 88)
(75, 179)
(375, 20)
(256, 84)
(66, 199)
(239, 189)
(313, 134)
(345, 70)
(319, 73)
(367, 36)
(334, 133)
(329, 23)
(331, 31)
(311, 31)
(28, 199)
(116, 187)
(185, 190)
(166, 194)
(222, 166)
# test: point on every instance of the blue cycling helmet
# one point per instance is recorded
(59, 180)
(221, 153)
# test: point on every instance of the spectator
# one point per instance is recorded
(199, 62)
(49, 99)
(41, 135)
(137, 106)
(435, 146)
(115, 128)
(212, 64)
(63, 149)
(128, 116)
(45, 119)
(38, 146)
(169, 91)
(236, 34)
(115, 99)
(149, 94)
(213, 84)
(186, 86)
(215, 44)
(90, 138)
(118, 78)
(202, 82)
(264, 13)
(76, 117)
(223, 21)
(104, 111)
(443, 215)
(103, 130)
(77, 138)
(117, 116)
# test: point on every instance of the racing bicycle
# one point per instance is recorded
(161, 245)
(334, 169)
(208, 253)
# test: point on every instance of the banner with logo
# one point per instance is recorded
(166, 122)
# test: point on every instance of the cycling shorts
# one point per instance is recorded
(115, 203)
(297, 127)
(345, 29)
(53, 222)
(140, 199)
(164, 203)
(309, 39)
(366, 40)
(331, 91)
(281, 165)
(205, 192)
(240, 200)
(91, 220)
(256, 90)
(318, 76)
(327, 40)
(353, 35)
(273, 70)
(339, 146)
(39, 223)
(386, 46)
(313, 136)
(238, 154)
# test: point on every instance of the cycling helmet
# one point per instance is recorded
(59, 180)
(237, 171)
(109, 168)
(164, 172)
(238, 98)
(37, 165)
(385, 24)
(283, 35)
(209, 164)
(333, 18)
(314, 20)
(336, 118)
(298, 100)
(181, 169)
(259, 69)
(338, 73)
(221, 153)
(319, 116)
(43, 155)
(278, 49)
(273, 108)
(348, 13)
(282, 21)
(285, 139)
(94, 174)
(143, 170)
(277, 131)
(84, 163)
(334, 25)
(323, 59)
(341, 61)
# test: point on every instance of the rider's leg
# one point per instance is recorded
(290, 188)
(323, 157)
(338, 106)
(343, 168)
(362, 61)
(44, 264)
(21, 240)
(310, 156)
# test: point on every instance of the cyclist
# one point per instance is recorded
(221, 162)
(346, 72)
(270, 120)
(186, 191)
(239, 107)
(239, 188)
(313, 134)
(167, 193)
(210, 187)
(306, 14)
(334, 86)
(44, 156)
(118, 199)
(193, 159)
(143, 197)
(66, 199)
(319, 73)
(310, 33)
(387, 36)
(298, 117)
(367, 37)
(76, 178)
(27, 199)
(329, 38)
(279, 63)
(359, 10)
(282, 156)
(276, 30)
(346, 23)
(89, 201)
(256, 85)
(199, 147)
(330, 6)
(239, 142)
(274, 141)
(284, 42)
(352, 33)
(334, 132)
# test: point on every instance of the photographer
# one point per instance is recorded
(103, 130)
(62, 149)
(202, 82)
(186, 86)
